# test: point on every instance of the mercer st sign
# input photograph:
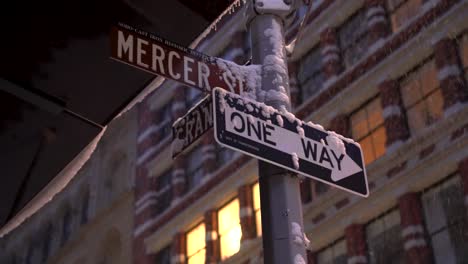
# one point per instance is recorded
(156, 55)
(280, 138)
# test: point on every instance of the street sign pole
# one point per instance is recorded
(281, 207)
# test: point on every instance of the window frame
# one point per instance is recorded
(361, 38)
(331, 246)
(316, 74)
(198, 169)
(187, 257)
(370, 131)
(159, 256)
(390, 12)
(162, 204)
(460, 39)
(422, 97)
(381, 217)
(218, 231)
(429, 235)
(257, 211)
(165, 115)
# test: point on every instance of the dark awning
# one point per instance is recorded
(58, 87)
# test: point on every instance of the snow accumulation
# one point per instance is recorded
(279, 120)
(290, 116)
(275, 95)
(300, 130)
(316, 126)
(298, 259)
(222, 101)
(249, 75)
(333, 139)
(335, 142)
(295, 160)
(249, 107)
(298, 236)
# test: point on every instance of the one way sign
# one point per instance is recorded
(279, 138)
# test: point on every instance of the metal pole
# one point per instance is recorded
(281, 205)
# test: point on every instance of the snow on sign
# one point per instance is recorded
(192, 126)
(156, 55)
(280, 138)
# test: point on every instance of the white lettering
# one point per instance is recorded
(199, 124)
(203, 74)
(187, 70)
(125, 46)
(141, 51)
(171, 55)
(158, 58)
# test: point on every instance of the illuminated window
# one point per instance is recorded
(196, 245)
(422, 97)
(309, 75)
(464, 54)
(333, 254)
(367, 128)
(256, 206)
(384, 239)
(352, 37)
(402, 11)
(229, 229)
(446, 221)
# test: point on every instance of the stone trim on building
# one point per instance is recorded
(454, 90)
(395, 121)
(413, 232)
(212, 241)
(247, 217)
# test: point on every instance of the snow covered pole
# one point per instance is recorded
(282, 222)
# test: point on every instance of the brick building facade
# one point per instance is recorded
(390, 74)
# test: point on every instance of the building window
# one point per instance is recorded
(164, 191)
(196, 245)
(422, 97)
(333, 254)
(223, 155)
(368, 129)
(66, 226)
(401, 11)
(29, 255)
(256, 207)
(446, 221)
(384, 239)
(165, 115)
(309, 75)
(85, 208)
(320, 188)
(195, 167)
(352, 37)
(163, 256)
(192, 96)
(46, 243)
(229, 229)
(464, 54)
